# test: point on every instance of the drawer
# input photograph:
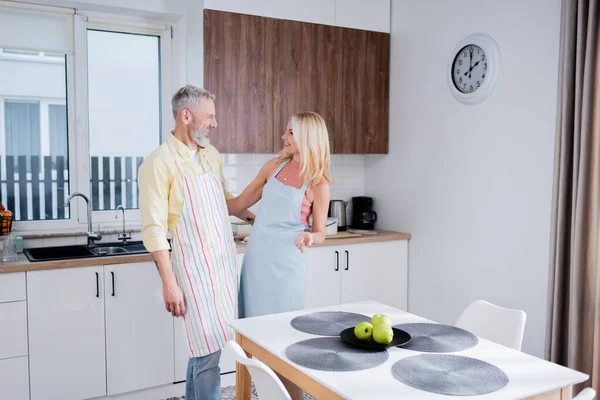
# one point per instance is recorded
(12, 287)
(13, 330)
(14, 379)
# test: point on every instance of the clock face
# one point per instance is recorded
(469, 68)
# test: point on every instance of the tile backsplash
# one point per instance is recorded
(347, 171)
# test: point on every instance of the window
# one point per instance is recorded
(34, 164)
(124, 113)
(81, 105)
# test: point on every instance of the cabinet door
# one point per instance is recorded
(14, 379)
(237, 70)
(139, 330)
(361, 92)
(323, 281)
(66, 333)
(13, 329)
(376, 271)
(304, 70)
(12, 287)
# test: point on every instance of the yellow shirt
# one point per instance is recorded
(161, 189)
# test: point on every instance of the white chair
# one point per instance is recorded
(268, 385)
(586, 394)
(497, 324)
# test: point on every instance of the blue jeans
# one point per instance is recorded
(203, 381)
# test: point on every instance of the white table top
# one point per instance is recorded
(528, 375)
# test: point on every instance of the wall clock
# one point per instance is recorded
(474, 68)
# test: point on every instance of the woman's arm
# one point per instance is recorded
(320, 206)
(253, 192)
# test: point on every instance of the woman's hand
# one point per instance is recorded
(304, 241)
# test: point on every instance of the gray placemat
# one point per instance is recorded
(333, 354)
(449, 374)
(327, 323)
(437, 338)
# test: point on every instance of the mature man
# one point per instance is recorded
(182, 191)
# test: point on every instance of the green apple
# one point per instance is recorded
(383, 334)
(363, 331)
(381, 319)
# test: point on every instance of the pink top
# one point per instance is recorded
(290, 176)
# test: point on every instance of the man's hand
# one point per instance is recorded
(173, 297)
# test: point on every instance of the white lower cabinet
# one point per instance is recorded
(66, 333)
(323, 276)
(98, 331)
(104, 330)
(139, 330)
(358, 272)
(14, 361)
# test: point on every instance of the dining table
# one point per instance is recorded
(271, 338)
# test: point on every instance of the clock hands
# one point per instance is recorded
(470, 62)
(471, 69)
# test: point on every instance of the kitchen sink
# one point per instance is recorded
(110, 250)
(84, 251)
(58, 253)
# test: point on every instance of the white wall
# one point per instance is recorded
(472, 184)
(371, 15)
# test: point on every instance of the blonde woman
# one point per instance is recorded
(292, 187)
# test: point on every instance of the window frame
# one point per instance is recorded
(71, 223)
(104, 22)
(78, 115)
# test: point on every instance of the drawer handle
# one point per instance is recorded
(337, 260)
(97, 285)
(347, 261)
(113, 282)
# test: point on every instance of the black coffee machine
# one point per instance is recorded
(363, 216)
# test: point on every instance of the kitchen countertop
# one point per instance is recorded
(23, 264)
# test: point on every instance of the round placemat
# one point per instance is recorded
(437, 338)
(449, 374)
(327, 323)
(333, 354)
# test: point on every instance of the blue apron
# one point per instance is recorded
(274, 270)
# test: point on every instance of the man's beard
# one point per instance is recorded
(199, 136)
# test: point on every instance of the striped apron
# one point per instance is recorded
(204, 261)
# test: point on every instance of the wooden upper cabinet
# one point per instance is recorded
(362, 92)
(238, 70)
(304, 73)
(263, 70)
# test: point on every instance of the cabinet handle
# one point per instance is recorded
(97, 285)
(337, 260)
(113, 282)
(347, 261)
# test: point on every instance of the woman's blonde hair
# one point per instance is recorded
(312, 140)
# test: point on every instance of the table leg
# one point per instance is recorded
(243, 380)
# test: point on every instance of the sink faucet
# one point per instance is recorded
(124, 236)
(91, 235)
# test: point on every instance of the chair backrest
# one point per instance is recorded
(586, 394)
(504, 326)
(268, 385)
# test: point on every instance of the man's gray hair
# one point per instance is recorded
(187, 96)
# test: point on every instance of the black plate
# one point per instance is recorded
(400, 338)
